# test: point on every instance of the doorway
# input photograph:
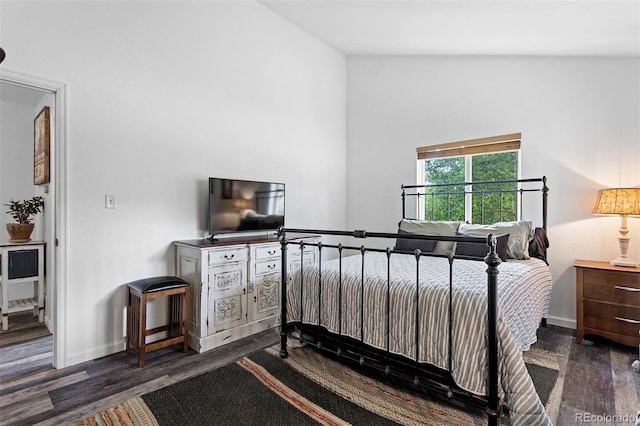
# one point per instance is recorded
(23, 93)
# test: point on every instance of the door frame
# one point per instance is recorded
(57, 273)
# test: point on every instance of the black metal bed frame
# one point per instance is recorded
(446, 192)
(420, 376)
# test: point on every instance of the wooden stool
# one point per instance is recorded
(140, 291)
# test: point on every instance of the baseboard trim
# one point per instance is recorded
(80, 357)
(561, 322)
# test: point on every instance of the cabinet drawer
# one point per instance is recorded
(221, 257)
(307, 251)
(267, 252)
(262, 268)
(295, 263)
(617, 319)
(612, 286)
(306, 257)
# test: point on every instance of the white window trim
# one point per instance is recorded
(491, 143)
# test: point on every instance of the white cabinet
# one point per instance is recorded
(234, 287)
(19, 263)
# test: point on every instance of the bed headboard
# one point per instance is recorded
(509, 193)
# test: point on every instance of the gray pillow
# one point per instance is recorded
(519, 235)
(433, 227)
(479, 250)
(411, 244)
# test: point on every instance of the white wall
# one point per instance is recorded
(580, 124)
(162, 95)
(16, 174)
(16, 157)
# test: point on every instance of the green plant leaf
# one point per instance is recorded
(22, 211)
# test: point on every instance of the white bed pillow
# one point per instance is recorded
(519, 235)
(433, 227)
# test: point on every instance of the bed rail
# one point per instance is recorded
(355, 350)
(519, 187)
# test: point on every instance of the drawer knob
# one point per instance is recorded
(272, 252)
(226, 256)
(271, 266)
(632, 321)
(635, 290)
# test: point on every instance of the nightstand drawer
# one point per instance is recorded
(612, 286)
(616, 319)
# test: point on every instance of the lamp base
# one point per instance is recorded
(623, 241)
(624, 261)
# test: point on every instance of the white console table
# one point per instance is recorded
(235, 285)
(22, 262)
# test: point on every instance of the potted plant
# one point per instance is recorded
(22, 212)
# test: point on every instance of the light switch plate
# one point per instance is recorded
(109, 201)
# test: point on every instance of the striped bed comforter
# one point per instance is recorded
(523, 299)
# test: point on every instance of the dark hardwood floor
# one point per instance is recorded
(595, 378)
(22, 326)
(32, 392)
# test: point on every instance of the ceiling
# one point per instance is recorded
(609, 28)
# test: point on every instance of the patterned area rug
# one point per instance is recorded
(134, 412)
(306, 389)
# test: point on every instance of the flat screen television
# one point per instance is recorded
(244, 206)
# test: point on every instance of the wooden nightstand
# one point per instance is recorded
(607, 301)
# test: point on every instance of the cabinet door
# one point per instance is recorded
(227, 305)
(266, 296)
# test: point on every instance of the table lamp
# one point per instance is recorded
(625, 202)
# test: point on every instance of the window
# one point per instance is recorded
(470, 162)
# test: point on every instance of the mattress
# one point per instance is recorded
(523, 299)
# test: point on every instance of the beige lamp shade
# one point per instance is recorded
(623, 201)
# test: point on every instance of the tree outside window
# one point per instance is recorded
(488, 204)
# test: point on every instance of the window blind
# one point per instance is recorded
(472, 146)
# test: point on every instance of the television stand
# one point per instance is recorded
(234, 285)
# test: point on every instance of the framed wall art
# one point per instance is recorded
(41, 127)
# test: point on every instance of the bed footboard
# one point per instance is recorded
(353, 349)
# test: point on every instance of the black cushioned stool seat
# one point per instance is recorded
(140, 291)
